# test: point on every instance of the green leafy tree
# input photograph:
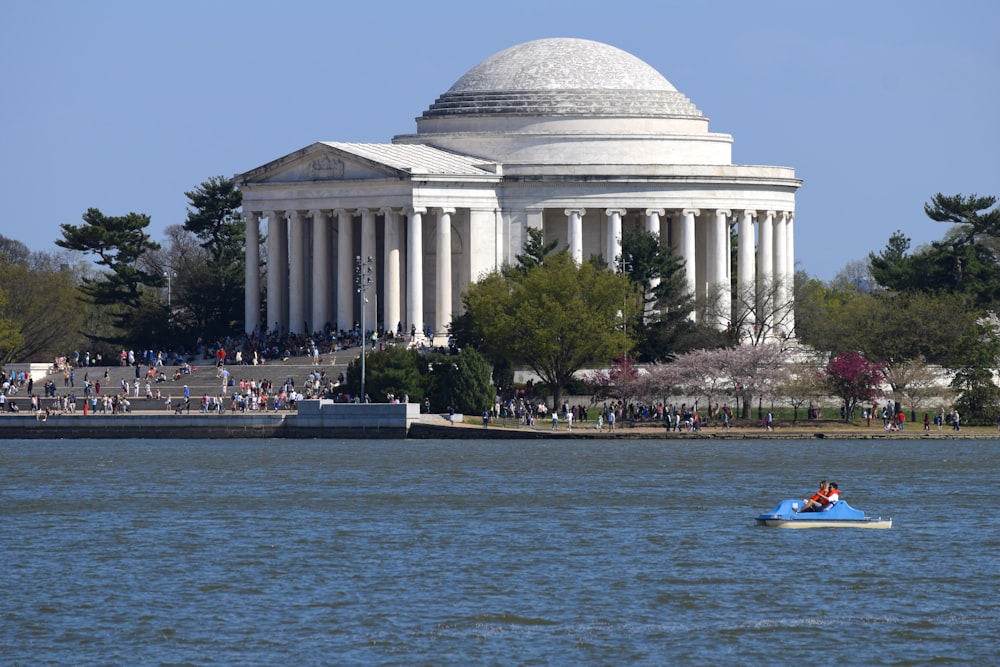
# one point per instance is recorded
(895, 327)
(663, 325)
(469, 332)
(890, 326)
(964, 261)
(10, 335)
(535, 249)
(394, 370)
(975, 216)
(119, 243)
(977, 356)
(214, 217)
(554, 319)
(44, 308)
(893, 268)
(461, 381)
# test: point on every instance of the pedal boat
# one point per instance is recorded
(840, 515)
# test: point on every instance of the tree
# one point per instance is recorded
(663, 326)
(10, 336)
(119, 242)
(854, 379)
(554, 318)
(764, 312)
(892, 268)
(394, 370)
(535, 249)
(462, 382)
(696, 374)
(467, 331)
(972, 214)
(804, 383)
(621, 380)
(964, 261)
(754, 370)
(889, 326)
(917, 382)
(13, 251)
(856, 275)
(908, 325)
(44, 307)
(215, 219)
(977, 357)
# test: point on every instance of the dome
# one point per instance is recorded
(562, 77)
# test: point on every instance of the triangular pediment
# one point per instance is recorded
(327, 161)
(319, 162)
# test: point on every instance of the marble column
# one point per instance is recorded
(745, 283)
(296, 272)
(718, 270)
(653, 216)
(277, 271)
(415, 269)
(252, 273)
(790, 244)
(780, 272)
(368, 250)
(790, 271)
(575, 233)
(614, 244)
(391, 270)
(765, 255)
(687, 247)
(442, 302)
(320, 269)
(345, 269)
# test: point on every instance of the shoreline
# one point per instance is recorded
(150, 424)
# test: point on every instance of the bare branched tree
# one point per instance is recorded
(919, 383)
(759, 313)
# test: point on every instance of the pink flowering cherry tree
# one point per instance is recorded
(855, 380)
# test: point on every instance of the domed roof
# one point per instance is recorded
(561, 77)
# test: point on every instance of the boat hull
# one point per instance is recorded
(841, 515)
(794, 523)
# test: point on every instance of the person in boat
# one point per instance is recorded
(818, 501)
(832, 496)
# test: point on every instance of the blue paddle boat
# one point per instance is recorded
(840, 515)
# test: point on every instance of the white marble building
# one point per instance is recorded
(576, 137)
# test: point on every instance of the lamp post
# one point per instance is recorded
(166, 274)
(625, 266)
(362, 281)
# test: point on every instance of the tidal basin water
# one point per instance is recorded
(606, 552)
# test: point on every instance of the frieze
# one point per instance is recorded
(327, 167)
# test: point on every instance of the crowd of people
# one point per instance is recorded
(320, 348)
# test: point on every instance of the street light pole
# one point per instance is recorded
(625, 266)
(362, 281)
(167, 276)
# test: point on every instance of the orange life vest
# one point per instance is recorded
(820, 497)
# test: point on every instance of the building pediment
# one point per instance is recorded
(319, 162)
(327, 161)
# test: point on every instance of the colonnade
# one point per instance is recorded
(313, 259)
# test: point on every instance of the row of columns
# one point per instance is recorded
(771, 273)
(288, 256)
(297, 240)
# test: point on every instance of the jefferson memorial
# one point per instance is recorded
(574, 137)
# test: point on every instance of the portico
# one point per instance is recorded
(584, 158)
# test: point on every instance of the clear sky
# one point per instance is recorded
(124, 106)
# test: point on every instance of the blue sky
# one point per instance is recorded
(124, 106)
